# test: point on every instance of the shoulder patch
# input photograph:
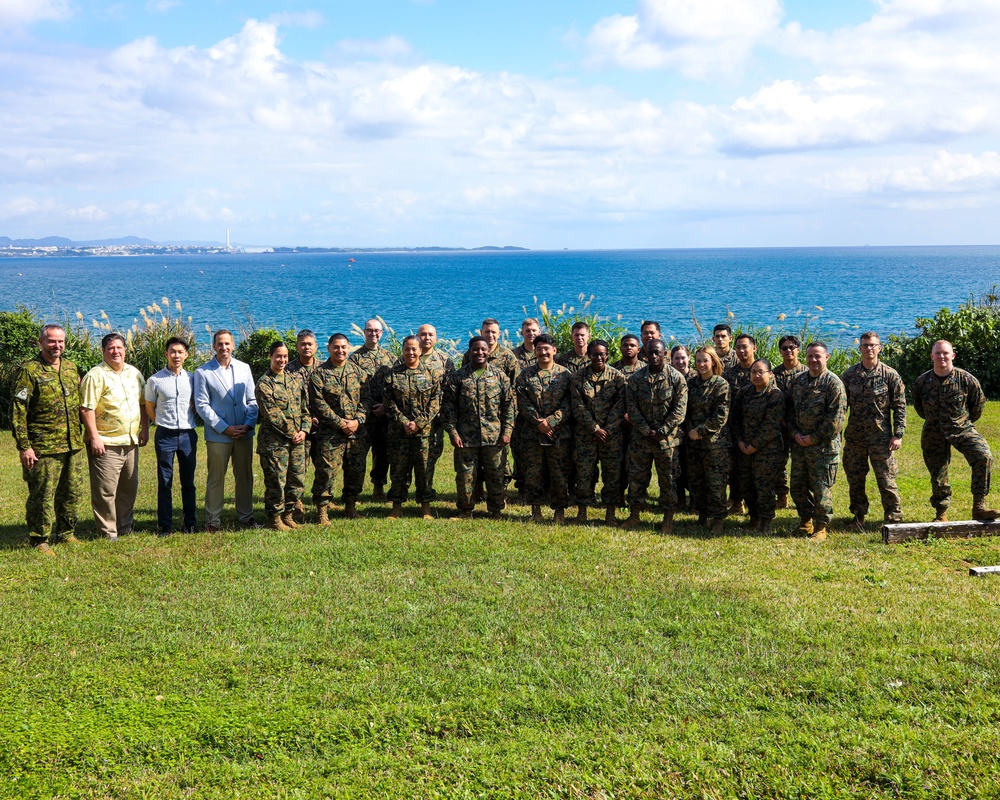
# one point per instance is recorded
(22, 395)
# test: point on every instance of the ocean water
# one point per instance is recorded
(846, 290)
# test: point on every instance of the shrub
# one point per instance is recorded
(559, 325)
(255, 348)
(973, 330)
(18, 342)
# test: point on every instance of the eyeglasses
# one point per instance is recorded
(788, 348)
(870, 344)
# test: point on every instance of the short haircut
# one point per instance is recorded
(410, 338)
(790, 338)
(475, 339)
(654, 343)
(630, 336)
(531, 321)
(870, 335)
(274, 346)
(111, 337)
(717, 367)
(336, 336)
(176, 340)
(51, 326)
(305, 333)
(763, 361)
(677, 347)
(647, 323)
(489, 321)
(544, 338)
(579, 325)
(746, 336)
(220, 332)
(722, 326)
(818, 344)
(596, 343)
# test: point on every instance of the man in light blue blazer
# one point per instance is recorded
(224, 399)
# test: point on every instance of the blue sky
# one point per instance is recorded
(585, 124)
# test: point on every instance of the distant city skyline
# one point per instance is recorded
(585, 124)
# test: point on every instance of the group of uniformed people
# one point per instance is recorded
(714, 421)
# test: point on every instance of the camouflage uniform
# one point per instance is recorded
(443, 368)
(818, 409)
(480, 409)
(544, 394)
(46, 419)
(313, 449)
(738, 377)
(503, 359)
(525, 358)
(598, 400)
(877, 400)
(572, 361)
(656, 402)
(411, 395)
(949, 406)
(283, 411)
(627, 371)
(783, 378)
(709, 457)
(337, 394)
(728, 360)
(374, 364)
(757, 420)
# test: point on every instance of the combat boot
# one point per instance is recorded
(980, 511)
(44, 549)
(558, 516)
(703, 519)
(941, 515)
(609, 516)
(495, 514)
(289, 519)
(425, 511)
(633, 521)
(667, 526)
(322, 515)
(736, 507)
(754, 523)
(467, 514)
(781, 501)
(859, 523)
(581, 515)
(765, 527)
(299, 514)
(378, 492)
(805, 527)
(716, 527)
(397, 510)
(819, 533)
(275, 523)
(536, 514)
(69, 538)
(351, 508)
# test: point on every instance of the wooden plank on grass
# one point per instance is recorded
(963, 529)
(983, 570)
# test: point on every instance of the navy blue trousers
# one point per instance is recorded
(183, 443)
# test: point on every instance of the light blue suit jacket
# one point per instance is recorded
(224, 397)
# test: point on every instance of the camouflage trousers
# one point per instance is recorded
(856, 456)
(758, 476)
(937, 457)
(408, 458)
(55, 487)
(588, 455)
(708, 475)
(377, 440)
(549, 461)
(814, 471)
(436, 449)
(339, 455)
(642, 455)
(284, 468)
(487, 461)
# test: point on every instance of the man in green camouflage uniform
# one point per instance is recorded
(818, 410)
(950, 400)
(49, 439)
(876, 398)
(784, 373)
(626, 365)
(442, 368)
(738, 376)
(374, 362)
(478, 412)
(524, 353)
(656, 399)
(412, 404)
(339, 399)
(283, 421)
(598, 396)
(722, 335)
(304, 363)
(577, 358)
(543, 402)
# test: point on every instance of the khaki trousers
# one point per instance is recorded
(240, 451)
(114, 483)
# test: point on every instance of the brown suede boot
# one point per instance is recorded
(536, 514)
(351, 509)
(581, 515)
(703, 519)
(633, 520)
(819, 533)
(667, 526)
(463, 514)
(425, 511)
(275, 524)
(980, 511)
(558, 516)
(44, 549)
(496, 515)
(736, 507)
(765, 527)
(299, 513)
(397, 510)
(805, 527)
(609, 516)
(941, 515)
(289, 519)
(322, 515)
(716, 527)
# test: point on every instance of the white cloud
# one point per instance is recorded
(386, 49)
(298, 19)
(695, 37)
(946, 175)
(15, 13)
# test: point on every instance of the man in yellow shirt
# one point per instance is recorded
(116, 426)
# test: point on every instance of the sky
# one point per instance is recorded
(548, 124)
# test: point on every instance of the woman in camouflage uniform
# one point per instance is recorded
(707, 438)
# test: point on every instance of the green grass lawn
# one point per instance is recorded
(477, 659)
